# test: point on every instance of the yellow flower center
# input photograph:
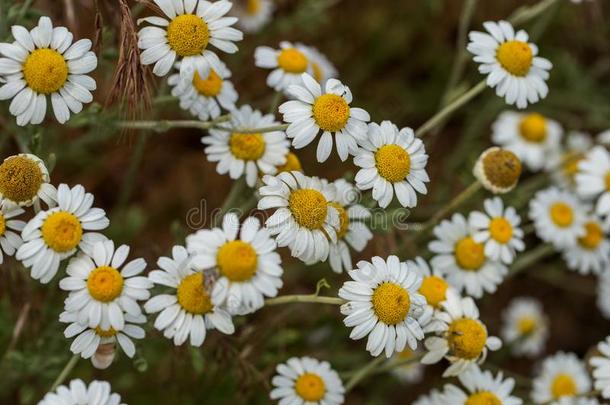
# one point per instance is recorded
(292, 164)
(105, 333)
(502, 168)
(343, 219)
(434, 289)
(310, 387)
(317, 71)
(237, 260)
(593, 236)
(607, 181)
(247, 146)
(253, 7)
(2, 225)
(469, 254)
(393, 163)
(406, 354)
(391, 303)
(192, 297)
(563, 385)
(533, 128)
(500, 230)
(570, 166)
(330, 112)
(308, 207)
(526, 325)
(188, 35)
(105, 283)
(562, 214)
(516, 57)
(62, 231)
(45, 71)
(209, 87)
(483, 398)
(466, 338)
(292, 60)
(20, 178)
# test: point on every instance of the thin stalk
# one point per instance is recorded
(65, 372)
(307, 298)
(362, 373)
(236, 193)
(529, 258)
(281, 127)
(275, 102)
(164, 125)
(526, 13)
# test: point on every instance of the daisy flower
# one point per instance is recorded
(307, 380)
(525, 327)
(481, 387)
(184, 34)
(392, 161)
(562, 377)
(498, 170)
(44, 62)
(591, 252)
(10, 241)
(24, 181)
(312, 112)
(433, 287)
(510, 63)
(601, 368)
(303, 219)
(564, 165)
(352, 229)
(462, 337)
(293, 164)
(558, 217)
(498, 229)
(245, 152)
(384, 304)
(288, 64)
(461, 259)
(249, 269)
(593, 179)
(77, 393)
(412, 371)
(532, 137)
(253, 15)
(189, 309)
(603, 294)
(204, 98)
(322, 68)
(57, 233)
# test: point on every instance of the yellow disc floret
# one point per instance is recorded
(45, 71)
(209, 87)
(308, 207)
(292, 164)
(2, 225)
(469, 254)
(501, 168)
(188, 35)
(500, 230)
(516, 57)
(533, 128)
(253, 7)
(105, 283)
(331, 112)
(391, 303)
(310, 387)
(562, 214)
(62, 231)
(20, 178)
(105, 333)
(526, 325)
(434, 289)
(192, 296)
(607, 181)
(483, 398)
(343, 219)
(393, 163)
(237, 260)
(563, 385)
(466, 338)
(317, 72)
(593, 236)
(247, 146)
(292, 60)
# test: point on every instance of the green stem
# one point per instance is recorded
(164, 125)
(304, 298)
(281, 127)
(526, 13)
(275, 102)
(363, 372)
(530, 257)
(65, 372)
(236, 193)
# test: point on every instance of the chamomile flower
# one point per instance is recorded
(204, 97)
(525, 327)
(24, 181)
(498, 229)
(322, 68)
(185, 34)
(601, 368)
(293, 164)
(558, 217)
(246, 152)
(593, 179)
(303, 219)
(249, 268)
(497, 170)
(603, 294)
(10, 240)
(41, 63)
(564, 165)
(461, 259)
(189, 309)
(392, 161)
(384, 304)
(288, 64)
(352, 229)
(412, 371)
(253, 15)
(434, 286)
(510, 63)
(531, 136)
(307, 381)
(481, 387)
(77, 393)
(562, 377)
(462, 337)
(591, 252)
(312, 112)
(57, 233)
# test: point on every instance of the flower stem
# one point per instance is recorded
(65, 372)
(164, 125)
(526, 13)
(281, 127)
(309, 298)
(529, 258)
(363, 372)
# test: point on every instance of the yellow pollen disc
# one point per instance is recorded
(247, 146)
(469, 254)
(516, 57)
(105, 283)
(331, 112)
(593, 236)
(253, 7)
(237, 260)
(533, 128)
(317, 71)
(310, 387)
(105, 333)
(526, 325)
(2, 225)
(466, 338)
(563, 385)
(393, 163)
(343, 219)
(188, 35)
(62, 231)
(570, 166)
(607, 181)
(292, 60)
(434, 288)
(483, 398)
(292, 164)
(405, 354)
(502, 168)
(308, 207)
(45, 71)
(209, 87)
(562, 214)
(391, 303)
(20, 178)
(500, 230)
(192, 297)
